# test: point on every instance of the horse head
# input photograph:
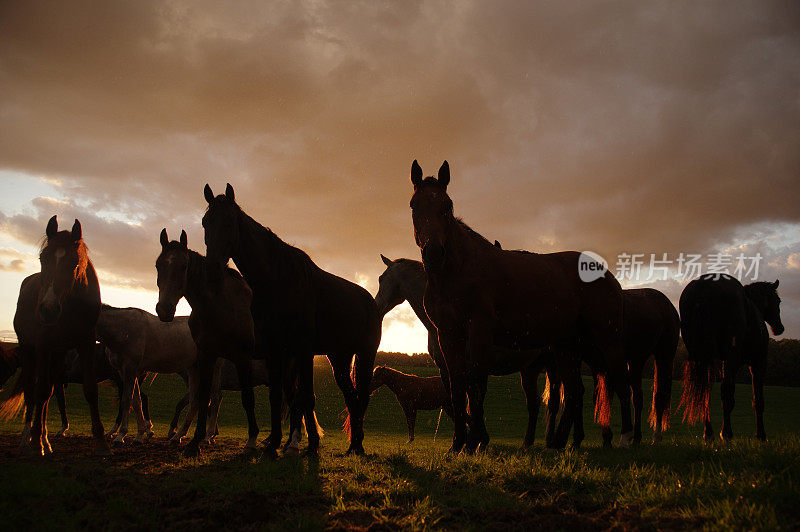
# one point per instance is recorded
(64, 259)
(172, 266)
(390, 287)
(765, 296)
(432, 214)
(221, 225)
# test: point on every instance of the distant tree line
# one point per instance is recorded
(783, 363)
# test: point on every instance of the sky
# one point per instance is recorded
(616, 127)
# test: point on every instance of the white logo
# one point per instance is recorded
(591, 266)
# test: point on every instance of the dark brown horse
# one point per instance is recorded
(478, 296)
(220, 322)
(57, 310)
(723, 320)
(405, 280)
(651, 328)
(413, 393)
(300, 311)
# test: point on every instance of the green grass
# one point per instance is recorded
(683, 483)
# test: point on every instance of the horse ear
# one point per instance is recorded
(497, 245)
(444, 175)
(184, 239)
(52, 227)
(229, 193)
(775, 284)
(416, 174)
(164, 238)
(77, 232)
(386, 261)
(208, 194)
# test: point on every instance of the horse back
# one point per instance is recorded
(649, 318)
(713, 317)
(345, 315)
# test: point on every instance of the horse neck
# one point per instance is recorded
(414, 292)
(196, 279)
(258, 250)
(459, 252)
(393, 380)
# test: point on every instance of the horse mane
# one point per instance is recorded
(295, 259)
(473, 233)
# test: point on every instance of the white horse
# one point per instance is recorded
(139, 342)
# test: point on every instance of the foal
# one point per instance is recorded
(220, 323)
(413, 393)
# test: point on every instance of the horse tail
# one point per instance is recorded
(10, 408)
(602, 402)
(662, 377)
(699, 337)
(546, 391)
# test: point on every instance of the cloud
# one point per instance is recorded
(628, 126)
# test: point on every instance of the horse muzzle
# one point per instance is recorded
(433, 257)
(165, 312)
(777, 329)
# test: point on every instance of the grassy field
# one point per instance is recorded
(683, 483)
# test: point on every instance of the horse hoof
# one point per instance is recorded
(174, 441)
(118, 442)
(355, 450)
(191, 451)
(62, 433)
(657, 438)
(625, 440)
(551, 450)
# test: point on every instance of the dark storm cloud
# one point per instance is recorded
(613, 126)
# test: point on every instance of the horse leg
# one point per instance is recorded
(42, 391)
(173, 425)
(216, 401)
(194, 377)
(341, 373)
(276, 377)
(578, 434)
(144, 428)
(128, 384)
(569, 376)
(244, 371)
(454, 349)
(411, 420)
(757, 375)
(205, 376)
(529, 378)
(29, 396)
(86, 352)
(638, 400)
(62, 408)
(309, 404)
(144, 400)
(553, 405)
(728, 398)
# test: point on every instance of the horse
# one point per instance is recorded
(404, 280)
(651, 328)
(413, 393)
(479, 296)
(138, 343)
(723, 320)
(300, 310)
(220, 323)
(229, 381)
(57, 310)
